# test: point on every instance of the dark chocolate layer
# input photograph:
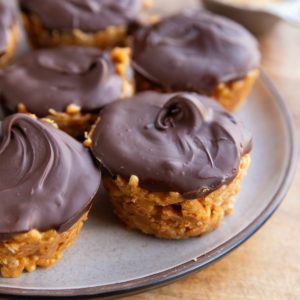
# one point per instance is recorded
(194, 51)
(47, 178)
(181, 142)
(7, 20)
(55, 78)
(87, 15)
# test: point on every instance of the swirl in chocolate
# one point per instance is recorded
(87, 15)
(7, 20)
(181, 142)
(56, 78)
(47, 179)
(194, 51)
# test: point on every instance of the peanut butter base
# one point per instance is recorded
(40, 37)
(26, 251)
(230, 95)
(13, 37)
(168, 215)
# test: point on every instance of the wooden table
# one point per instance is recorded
(268, 265)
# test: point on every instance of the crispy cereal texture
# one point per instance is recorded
(168, 215)
(13, 38)
(230, 95)
(75, 124)
(26, 251)
(43, 38)
(73, 120)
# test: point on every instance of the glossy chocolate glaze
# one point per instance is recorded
(7, 20)
(181, 142)
(47, 178)
(194, 51)
(55, 78)
(87, 15)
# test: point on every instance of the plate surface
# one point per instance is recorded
(108, 260)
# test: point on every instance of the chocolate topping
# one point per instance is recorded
(7, 19)
(181, 142)
(194, 51)
(55, 78)
(87, 15)
(47, 179)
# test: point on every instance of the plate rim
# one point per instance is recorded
(172, 274)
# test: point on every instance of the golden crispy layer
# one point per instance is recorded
(73, 120)
(26, 251)
(168, 215)
(232, 95)
(13, 38)
(229, 95)
(43, 38)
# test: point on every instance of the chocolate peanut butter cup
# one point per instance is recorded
(8, 34)
(97, 23)
(47, 184)
(199, 52)
(68, 85)
(173, 169)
